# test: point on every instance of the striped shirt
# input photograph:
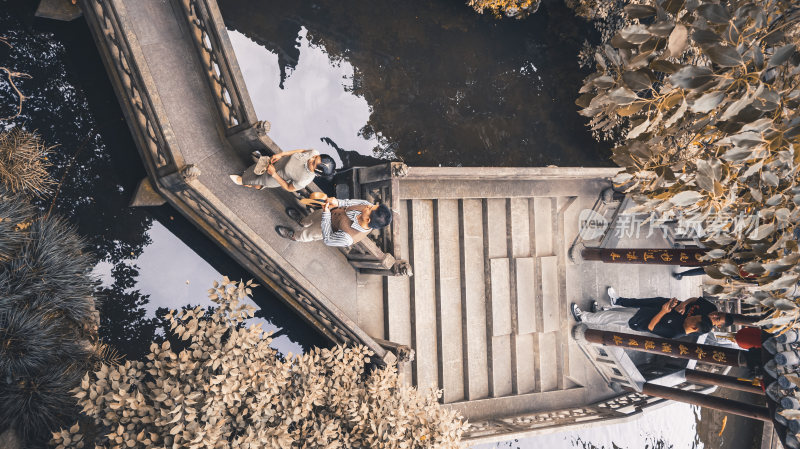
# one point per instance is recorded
(341, 238)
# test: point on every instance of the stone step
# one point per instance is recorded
(499, 275)
(499, 344)
(544, 210)
(526, 339)
(497, 188)
(550, 299)
(548, 362)
(563, 338)
(521, 297)
(525, 293)
(448, 299)
(423, 294)
(397, 302)
(397, 320)
(473, 299)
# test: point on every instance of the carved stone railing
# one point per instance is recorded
(225, 80)
(613, 364)
(222, 227)
(180, 186)
(597, 225)
(616, 410)
(132, 81)
(525, 425)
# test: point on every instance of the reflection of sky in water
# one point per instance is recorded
(673, 424)
(314, 102)
(174, 275)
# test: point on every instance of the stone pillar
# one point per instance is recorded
(63, 10)
(686, 257)
(703, 400)
(672, 348)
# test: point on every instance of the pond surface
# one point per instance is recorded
(428, 82)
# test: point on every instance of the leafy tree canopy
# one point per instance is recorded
(217, 383)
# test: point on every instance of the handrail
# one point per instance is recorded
(221, 68)
(125, 61)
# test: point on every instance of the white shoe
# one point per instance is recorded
(576, 312)
(612, 295)
(236, 179)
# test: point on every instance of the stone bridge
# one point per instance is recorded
(484, 315)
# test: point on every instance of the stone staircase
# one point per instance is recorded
(486, 310)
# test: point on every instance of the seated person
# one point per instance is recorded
(291, 170)
(338, 223)
(663, 321)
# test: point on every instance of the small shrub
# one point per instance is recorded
(509, 8)
(23, 163)
(711, 92)
(48, 321)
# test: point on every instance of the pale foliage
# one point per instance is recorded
(712, 92)
(228, 388)
(23, 163)
(509, 8)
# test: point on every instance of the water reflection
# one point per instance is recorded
(171, 276)
(147, 257)
(443, 85)
(312, 103)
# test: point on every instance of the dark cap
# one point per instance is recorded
(326, 166)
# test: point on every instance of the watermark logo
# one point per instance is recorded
(591, 224)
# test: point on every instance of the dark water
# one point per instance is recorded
(147, 257)
(441, 84)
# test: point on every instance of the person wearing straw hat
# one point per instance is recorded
(290, 170)
(339, 222)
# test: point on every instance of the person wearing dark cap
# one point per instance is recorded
(290, 170)
(339, 222)
(698, 305)
(662, 319)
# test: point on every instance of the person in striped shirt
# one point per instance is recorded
(339, 222)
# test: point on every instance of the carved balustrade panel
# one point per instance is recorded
(126, 61)
(219, 63)
(507, 427)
